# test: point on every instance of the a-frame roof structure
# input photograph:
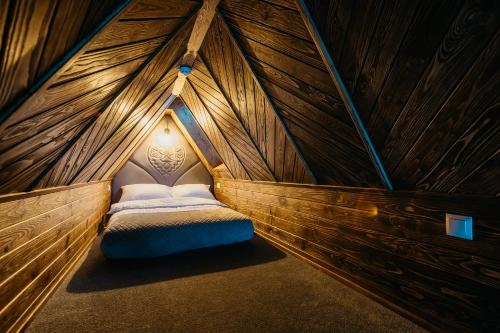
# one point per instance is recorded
(396, 95)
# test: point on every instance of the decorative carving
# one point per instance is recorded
(166, 160)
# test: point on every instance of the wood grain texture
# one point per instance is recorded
(417, 72)
(133, 110)
(392, 244)
(38, 34)
(253, 109)
(298, 84)
(45, 126)
(40, 235)
(468, 36)
(227, 120)
(213, 132)
(190, 128)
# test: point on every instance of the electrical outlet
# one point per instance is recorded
(459, 226)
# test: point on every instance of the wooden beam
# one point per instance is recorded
(195, 135)
(266, 96)
(344, 93)
(236, 115)
(201, 25)
(62, 65)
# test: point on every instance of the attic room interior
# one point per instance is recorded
(249, 166)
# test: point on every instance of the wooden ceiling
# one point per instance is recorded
(423, 77)
(96, 98)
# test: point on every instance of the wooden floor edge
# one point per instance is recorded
(51, 288)
(379, 299)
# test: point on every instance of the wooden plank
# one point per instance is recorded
(194, 134)
(283, 19)
(358, 36)
(247, 148)
(124, 32)
(64, 31)
(391, 28)
(426, 254)
(31, 271)
(484, 179)
(37, 88)
(15, 208)
(158, 9)
(302, 50)
(95, 61)
(472, 149)
(473, 97)
(23, 172)
(122, 107)
(332, 18)
(19, 234)
(302, 71)
(465, 40)
(332, 105)
(24, 265)
(27, 31)
(393, 251)
(31, 295)
(431, 22)
(124, 142)
(213, 132)
(344, 94)
(235, 134)
(279, 121)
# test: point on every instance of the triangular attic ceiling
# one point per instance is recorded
(273, 89)
(83, 111)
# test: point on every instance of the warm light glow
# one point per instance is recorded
(165, 138)
(374, 211)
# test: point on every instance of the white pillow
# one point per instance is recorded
(145, 191)
(192, 190)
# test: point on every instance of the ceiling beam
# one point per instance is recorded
(266, 96)
(201, 25)
(344, 93)
(195, 135)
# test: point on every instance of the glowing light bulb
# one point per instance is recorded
(166, 139)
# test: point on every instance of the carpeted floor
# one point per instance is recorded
(249, 287)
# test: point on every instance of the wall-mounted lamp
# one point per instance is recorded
(166, 139)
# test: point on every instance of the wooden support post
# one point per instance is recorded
(344, 94)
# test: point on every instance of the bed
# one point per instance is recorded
(161, 226)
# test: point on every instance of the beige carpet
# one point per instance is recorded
(249, 287)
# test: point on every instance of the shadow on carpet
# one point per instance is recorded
(98, 273)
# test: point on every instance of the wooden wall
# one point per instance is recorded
(44, 129)
(279, 49)
(37, 34)
(42, 235)
(391, 245)
(248, 105)
(425, 76)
